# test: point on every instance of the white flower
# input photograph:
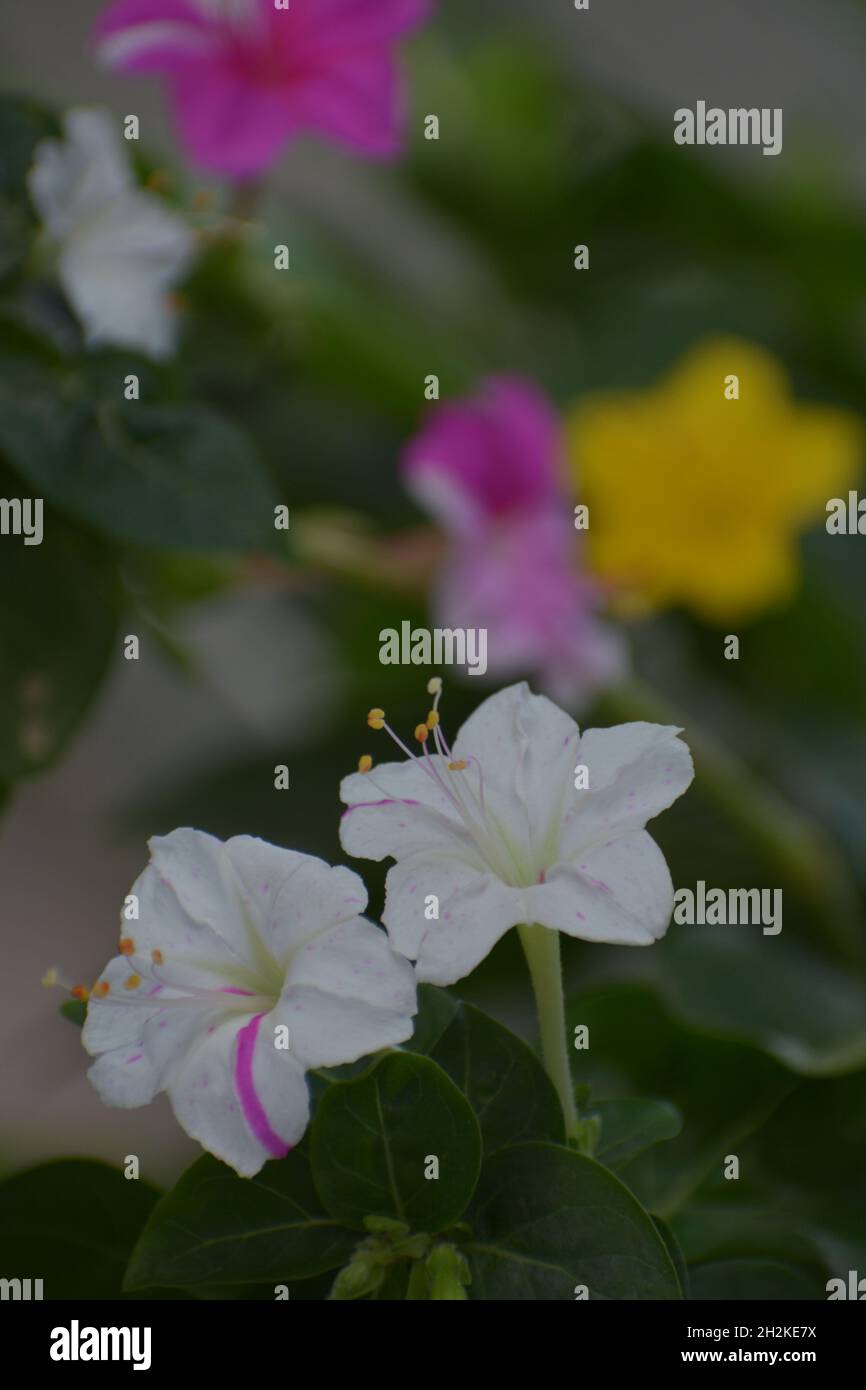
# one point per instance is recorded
(120, 249)
(496, 830)
(236, 942)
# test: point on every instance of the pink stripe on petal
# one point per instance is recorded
(254, 1111)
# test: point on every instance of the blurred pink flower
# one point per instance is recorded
(246, 77)
(489, 471)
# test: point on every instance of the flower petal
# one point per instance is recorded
(621, 893)
(347, 994)
(635, 771)
(475, 910)
(118, 267)
(241, 1097)
(400, 809)
(525, 745)
(86, 169)
(292, 897)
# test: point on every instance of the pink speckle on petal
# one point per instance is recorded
(581, 916)
(137, 1058)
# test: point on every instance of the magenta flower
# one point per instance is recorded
(489, 471)
(247, 77)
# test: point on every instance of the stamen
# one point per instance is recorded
(434, 685)
(422, 733)
(365, 763)
(432, 719)
(127, 946)
(100, 989)
(376, 719)
(132, 982)
(156, 956)
(459, 766)
(50, 978)
(80, 992)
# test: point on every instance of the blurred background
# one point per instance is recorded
(256, 650)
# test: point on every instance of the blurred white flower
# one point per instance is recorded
(120, 250)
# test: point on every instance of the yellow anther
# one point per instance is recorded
(82, 992)
(421, 733)
(434, 685)
(376, 719)
(365, 763)
(432, 719)
(157, 957)
(458, 766)
(100, 989)
(132, 982)
(51, 977)
(127, 946)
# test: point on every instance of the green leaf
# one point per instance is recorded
(757, 1278)
(678, 1259)
(57, 631)
(75, 1010)
(631, 1125)
(72, 1224)
(372, 1139)
(164, 476)
(813, 1020)
(502, 1079)
(22, 126)
(217, 1228)
(546, 1219)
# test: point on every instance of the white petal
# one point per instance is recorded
(293, 896)
(242, 1098)
(635, 771)
(399, 809)
(347, 994)
(72, 178)
(117, 268)
(139, 1035)
(475, 910)
(620, 892)
(193, 908)
(525, 745)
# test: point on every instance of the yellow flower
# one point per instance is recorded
(697, 499)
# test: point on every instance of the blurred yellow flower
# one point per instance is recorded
(697, 498)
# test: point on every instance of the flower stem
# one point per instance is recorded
(541, 947)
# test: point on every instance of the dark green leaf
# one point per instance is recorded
(756, 1278)
(546, 1219)
(164, 476)
(502, 1079)
(75, 1010)
(72, 1224)
(57, 630)
(373, 1138)
(629, 1126)
(217, 1228)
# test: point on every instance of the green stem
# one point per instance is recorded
(541, 947)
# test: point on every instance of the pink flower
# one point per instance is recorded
(489, 471)
(246, 77)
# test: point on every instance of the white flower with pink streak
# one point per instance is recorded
(234, 942)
